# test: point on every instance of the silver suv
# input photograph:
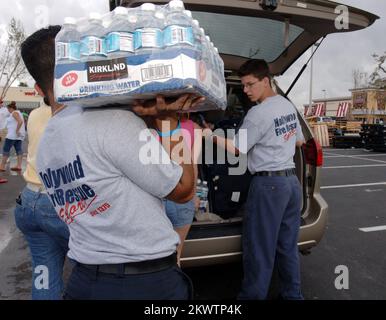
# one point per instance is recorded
(279, 32)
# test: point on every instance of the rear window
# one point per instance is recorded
(248, 37)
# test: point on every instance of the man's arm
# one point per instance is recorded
(184, 190)
(224, 143)
(299, 135)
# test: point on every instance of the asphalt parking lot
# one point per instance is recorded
(354, 186)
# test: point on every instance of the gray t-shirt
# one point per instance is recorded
(272, 129)
(89, 162)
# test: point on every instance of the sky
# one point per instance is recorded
(334, 61)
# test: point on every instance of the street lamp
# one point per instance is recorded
(324, 92)
(311, 70)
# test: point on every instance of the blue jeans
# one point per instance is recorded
(47, 238)
(180, 214)
(9, 143)
(270, 233)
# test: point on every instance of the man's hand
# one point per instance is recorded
(160, 107)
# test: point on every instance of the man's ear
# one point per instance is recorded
(39, 90)
(267, 83)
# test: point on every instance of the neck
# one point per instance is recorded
(173, 120)
(268, 94)
(56, 107)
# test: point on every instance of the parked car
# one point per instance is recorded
(280, 34)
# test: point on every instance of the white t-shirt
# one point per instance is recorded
(272, 129)
(94, 155)
(12, 125)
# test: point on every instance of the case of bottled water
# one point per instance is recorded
(137, 53)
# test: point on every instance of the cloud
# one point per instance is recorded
(334, 62)
(338, 56)
(38, 13)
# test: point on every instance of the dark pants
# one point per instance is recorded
(169, 284)
(270, 231)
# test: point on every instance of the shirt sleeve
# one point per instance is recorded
(134, 150)
(299, 132)
(248, 135)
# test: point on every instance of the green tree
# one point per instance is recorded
(378, 77)
(11, 63)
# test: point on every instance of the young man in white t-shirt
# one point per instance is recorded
(271, 225)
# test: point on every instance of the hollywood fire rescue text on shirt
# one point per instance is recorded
(71, 201)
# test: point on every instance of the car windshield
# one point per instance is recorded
(248, 37)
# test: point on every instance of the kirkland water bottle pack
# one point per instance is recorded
(137, 53)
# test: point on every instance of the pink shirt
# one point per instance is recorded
(187, 133)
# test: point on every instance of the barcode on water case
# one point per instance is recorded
(157, 72)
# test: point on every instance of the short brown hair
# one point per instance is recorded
(38, 53)
(255, 67)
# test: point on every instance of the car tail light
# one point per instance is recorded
(313, 153)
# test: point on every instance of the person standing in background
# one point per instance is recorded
(180, 214)
(47, 235)
(15, 136)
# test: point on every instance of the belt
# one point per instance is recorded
(280, 173)
(36, 188)
(140, 267)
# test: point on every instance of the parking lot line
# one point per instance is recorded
(359, 158)
(371, 229)
(355, 166)
(354, 185)
(357, 155)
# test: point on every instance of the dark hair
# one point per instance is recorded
(38, 54)
(255, 67)
(12, 105)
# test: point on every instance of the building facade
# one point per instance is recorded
(339, 107)
(26, 98)
(369, 104)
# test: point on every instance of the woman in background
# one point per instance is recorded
(15, 136)
(179, 126)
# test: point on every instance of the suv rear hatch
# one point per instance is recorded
(242, 29)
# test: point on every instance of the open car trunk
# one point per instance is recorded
(241, 30)
(245, 29)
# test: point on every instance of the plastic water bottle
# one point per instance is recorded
(220, 66)
(198, 36)
(148, 30)
(120, 34)
(179, 30)
(204, 197)
(93, 45)
(199, 188)
(188, 13)
(68, 43)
